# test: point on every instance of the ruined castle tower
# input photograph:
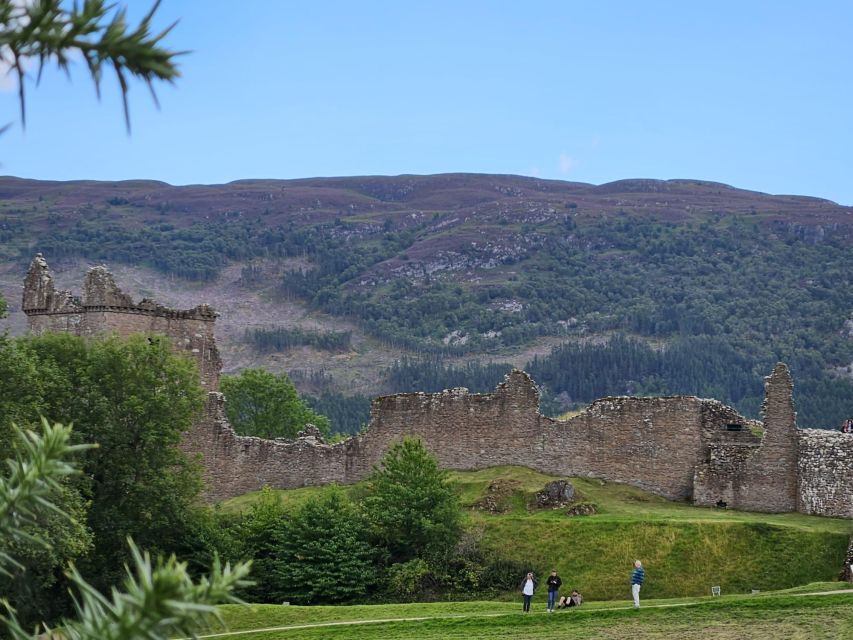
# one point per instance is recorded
(752, 473)
(105, 309)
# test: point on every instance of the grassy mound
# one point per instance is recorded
(686, 550)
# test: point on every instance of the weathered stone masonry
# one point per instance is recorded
(105, 309)
(678, 447)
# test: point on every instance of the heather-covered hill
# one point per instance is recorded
(642, 286)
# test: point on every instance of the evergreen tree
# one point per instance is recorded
(411, 505)
(325, 556)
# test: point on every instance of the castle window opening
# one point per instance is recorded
(734, 426)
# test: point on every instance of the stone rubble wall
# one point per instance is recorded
(826, 473)
(652, 443)
(234, 465)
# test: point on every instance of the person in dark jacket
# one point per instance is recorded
(637, 579)
(528, 586)
(554, 583)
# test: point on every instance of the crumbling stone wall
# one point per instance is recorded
(105, 309)
(234, 465)
(749, 473)
(653, 443)
(826, 473)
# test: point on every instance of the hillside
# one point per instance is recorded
(686, 548)
(643, 286)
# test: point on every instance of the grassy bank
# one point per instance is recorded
(686, 549)
(768, 616)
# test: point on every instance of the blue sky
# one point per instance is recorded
(754, 94)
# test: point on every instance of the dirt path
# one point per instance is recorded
(318, 625)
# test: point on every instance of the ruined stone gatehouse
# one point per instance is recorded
(680, 447)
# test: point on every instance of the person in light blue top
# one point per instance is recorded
(637, 579)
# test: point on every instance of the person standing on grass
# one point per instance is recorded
(637, 579)
(528, 586)
(554, 583)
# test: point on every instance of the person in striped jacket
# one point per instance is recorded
(637, 579)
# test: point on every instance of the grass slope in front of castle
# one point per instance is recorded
(686, 550)
(745, 617)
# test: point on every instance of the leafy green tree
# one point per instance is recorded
(411, 505)
(267, 405)
(134, 399)
(159, 600)
(324, 554)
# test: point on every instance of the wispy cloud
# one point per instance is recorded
(566, 163)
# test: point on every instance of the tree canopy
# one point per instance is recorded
(133, 399)
(411, 504)
(267, 405)
(158, 600)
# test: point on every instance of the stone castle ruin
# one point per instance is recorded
(679, 447)
(105, 309)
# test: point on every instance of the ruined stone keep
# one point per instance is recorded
(105, 309)
(679, 447)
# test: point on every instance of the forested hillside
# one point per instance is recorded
(640, 286)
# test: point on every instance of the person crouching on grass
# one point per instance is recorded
(528, 586)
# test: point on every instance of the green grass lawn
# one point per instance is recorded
(776, 616)
(686, 550)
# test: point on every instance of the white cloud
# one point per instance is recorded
(566, 163)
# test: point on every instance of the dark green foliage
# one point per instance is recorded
(318, 554)
(431, 374)
(267, 405)
(281, 339)
(410, 579)
(346, 414)
(197, 253)
(257, 536)
(38, 590)
(706, 366)
(503, 575)
(324, 555)
(133, 399)
(411, 505)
